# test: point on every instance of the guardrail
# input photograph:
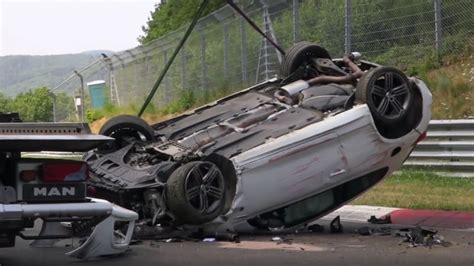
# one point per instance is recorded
(448, 148)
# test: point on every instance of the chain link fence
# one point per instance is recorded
(225, 54)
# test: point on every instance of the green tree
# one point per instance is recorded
(169, 15)
(5, 103)
(34, 105)
(64, 106)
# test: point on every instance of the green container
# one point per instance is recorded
(97, 93)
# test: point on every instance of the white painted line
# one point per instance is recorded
(358, 213)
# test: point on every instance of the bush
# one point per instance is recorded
(184, 101)
(94, 115)
(413, 60)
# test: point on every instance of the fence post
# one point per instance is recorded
(166, 81)
(226, 50)
(131, 72)
(114, 95)
(296, 21)
(243, 51)
(203, 61)
(347, 26)
(438, 24)
(144, 69)
(159, 64)
(183, 68)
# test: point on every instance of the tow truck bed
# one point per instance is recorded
(71, 137)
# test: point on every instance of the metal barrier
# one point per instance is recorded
(448, 148)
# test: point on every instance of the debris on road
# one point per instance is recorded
(336, 226)
(219, 236)
(367, 231)
(382, 220)
(143, 231)
(420, 236)
(417, 236)
(282, 240)
(316, 228)
(172, 240)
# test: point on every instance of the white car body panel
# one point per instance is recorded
(315, 158)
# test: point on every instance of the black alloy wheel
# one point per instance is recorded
(196, 192)
(204, 187)
(388, 94)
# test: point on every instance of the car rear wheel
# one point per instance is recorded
(196, 192)
(388, 94)
(126, 129)
(301, 55)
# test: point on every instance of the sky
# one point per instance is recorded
(45, 27)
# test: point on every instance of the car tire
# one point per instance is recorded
(196, 192)
(126, 128)
(299, 55)
(388, 94)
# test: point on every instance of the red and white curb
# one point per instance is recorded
(430, 218)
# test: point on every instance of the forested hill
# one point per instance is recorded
(20, 73)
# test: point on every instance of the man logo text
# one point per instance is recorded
(54, 191)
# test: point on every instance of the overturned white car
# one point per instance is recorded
(275, 155)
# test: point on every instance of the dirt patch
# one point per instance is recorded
(153, 119)
(96, 125)
(262, 245)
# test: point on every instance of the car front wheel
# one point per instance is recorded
(196, 192)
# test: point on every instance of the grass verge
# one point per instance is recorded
(421, 190)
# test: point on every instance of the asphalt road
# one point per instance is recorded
(323, 248)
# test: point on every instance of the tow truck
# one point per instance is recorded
(55, 190)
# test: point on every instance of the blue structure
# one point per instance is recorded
(97, 93)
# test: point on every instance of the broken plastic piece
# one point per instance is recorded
(316, 228)
(172, 240)
(103, 240)
(282, 240)
(420, 236)
(382, 220)
(336, 226)
(224, 236)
